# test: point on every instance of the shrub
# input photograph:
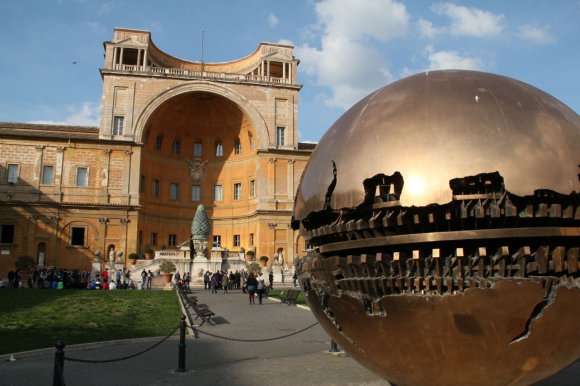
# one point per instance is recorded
(254, 267)
(167, 267)
(264, 258)
(24, 263)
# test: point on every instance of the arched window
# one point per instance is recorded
(237, 147)
(219, 149)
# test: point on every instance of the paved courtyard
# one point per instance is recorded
(300, 359)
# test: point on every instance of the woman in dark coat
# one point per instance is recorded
(252, 284)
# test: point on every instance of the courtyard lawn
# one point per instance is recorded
(32, 319)
(276, 294)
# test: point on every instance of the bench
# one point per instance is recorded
(204, 313)
(290, 297)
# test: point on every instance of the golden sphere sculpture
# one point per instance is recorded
(445, 215)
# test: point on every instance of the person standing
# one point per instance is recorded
(271, 280)
(148, 279)
(261, 286)
(225, 283)
(251, 285)
(214, 283)
(206, 280)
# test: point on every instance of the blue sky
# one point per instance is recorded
(347, 48)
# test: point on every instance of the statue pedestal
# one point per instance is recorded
(96, 267)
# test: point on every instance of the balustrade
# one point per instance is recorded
(201, 74)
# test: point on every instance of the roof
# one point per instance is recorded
(32, 130)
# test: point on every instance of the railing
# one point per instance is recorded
(201, 74)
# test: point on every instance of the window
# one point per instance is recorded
(172, 242)
(173, 191)
(217, 241)
(251, 239)
(238, 147)
(118, 125)
(82, 176)
(6, 233)
(252, 188)
(197, 149)
(13, 172)
(237, 191)
(219, 149)
(158, 142)
(176, 146)
(218, 193)
(142, 184)
(153, 238)
(77, 236)
(280, 136)
(47, 174)
(195, 193)
(155, 188)
(236, 240)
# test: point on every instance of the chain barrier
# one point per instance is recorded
(126, 357)
(251, 340)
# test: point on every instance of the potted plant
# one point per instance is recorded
(263, 260)
(148, 252)
(167, 268)
(133, 258)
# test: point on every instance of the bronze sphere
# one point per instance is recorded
(445, 213)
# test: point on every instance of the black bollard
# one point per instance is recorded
(58, 375)
(333, 346)
(181, 360)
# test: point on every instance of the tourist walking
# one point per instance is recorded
(271, 280)
(251, 285)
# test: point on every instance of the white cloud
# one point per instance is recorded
(536, 34)
(87, 114)
(451, 60)
(471, 22)
(273, 20)
(348, 61)
(427, 30)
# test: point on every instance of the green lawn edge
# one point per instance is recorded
(34, 319)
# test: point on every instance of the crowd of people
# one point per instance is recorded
(251, 283)
(54, 278)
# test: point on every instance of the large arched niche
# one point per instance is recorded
(254, 116)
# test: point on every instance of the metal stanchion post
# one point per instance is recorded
(333, 346)
(181, 361)
(58, 375)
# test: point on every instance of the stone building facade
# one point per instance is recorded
(173, 134)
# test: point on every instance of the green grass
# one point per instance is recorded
(33, 319)
(277, 293)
